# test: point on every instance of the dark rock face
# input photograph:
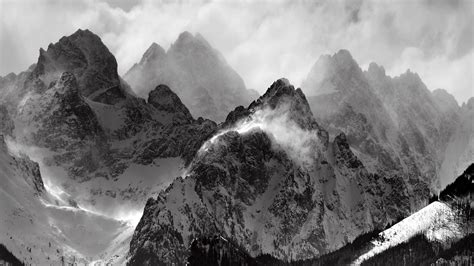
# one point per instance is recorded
(216, 250)
(61, 120)
(31, 173)
(25, 168)
(163, 99)
(198, 74)
(84, 55)
(6, 123)
(246, 188)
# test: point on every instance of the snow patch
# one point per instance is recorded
(437, 221)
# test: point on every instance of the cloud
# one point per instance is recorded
(262, 40)
(301, 145)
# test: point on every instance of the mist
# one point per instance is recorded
(262, 40)
(301, 145)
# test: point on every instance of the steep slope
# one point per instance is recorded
(196, 71)
(460, 148)
(101, 150)
(83, 54)
(272, 183)
(462, 187)
(443, 222)
(41, 227)
(438, 221)
(394, 125)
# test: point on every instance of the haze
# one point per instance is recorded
(262, 40)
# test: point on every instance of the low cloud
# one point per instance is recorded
(301, 145)
(262, 40)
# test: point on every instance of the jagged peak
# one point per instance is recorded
(282, 94)
(410, 74)
(186, 40)
(340, 65)
(153, 52)
(280, 88)
(410, 77)
(376, 70)
(84, 54)
(164, 99)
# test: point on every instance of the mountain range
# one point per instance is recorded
(180, 154)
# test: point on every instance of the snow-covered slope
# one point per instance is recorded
(102, 151)
(39, 227)
(437, 221)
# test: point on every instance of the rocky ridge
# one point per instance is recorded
(267, 201)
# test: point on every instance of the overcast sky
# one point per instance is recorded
(262, 40)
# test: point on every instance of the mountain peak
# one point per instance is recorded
(164, 99)
(442, 96)
(376, 70)
(343, 60)
(153, 52)
(186, 40)
(82, 54)
(331, 73)
(282, 94)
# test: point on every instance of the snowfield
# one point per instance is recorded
(438, 221)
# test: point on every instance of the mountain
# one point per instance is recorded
(437, 234)
(462, 187)
(39, 226)
(100, 148)
(271, 182)
(396, 126)
(288, 177)
(198, 74)
(460, 147)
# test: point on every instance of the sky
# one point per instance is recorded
(262, 40)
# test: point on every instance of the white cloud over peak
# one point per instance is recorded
(262, 40)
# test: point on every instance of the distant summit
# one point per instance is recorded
(196, 71)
